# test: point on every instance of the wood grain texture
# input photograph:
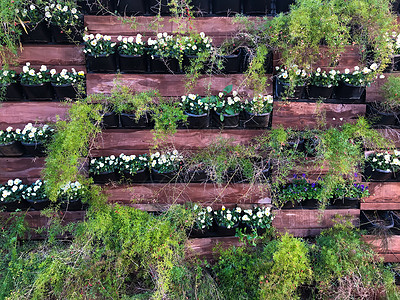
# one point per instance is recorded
(18, 114)
(303, 115)
(25, 168)
(179, 193)
(393, 135)
(384, 196)
(117, 141)
(203, 247)
(169, 85)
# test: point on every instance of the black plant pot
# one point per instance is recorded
(256, 7)
(370, 220)
(132, 63)
(67, 35)
(282, 6)
(201, 7)
(11, 149)
(131, 7)
(34, 149)
(42, 92)
(14, 205)
(282, 87)
(110, 120)
(72, 205)
(39, 204)
(316, 92)
(349, 93)
(187, 61)
(129, 121)
(101, 63)
(164, 65)
(201, 233)
(155, 9)
(197, 121)
(296, 144)
(230, 121)
(377, 175)
(94, 7)
(269, 63)
(195, 175)
(223, 7)
(162, 177)
(347, 202)
(232, 63)
(65, 91)
(140, 177)
(35, 33)
(12, 92)
(310, 203)
(378, 117)
(396, 62)
(291, 205)
(256, 121)
(105, 177)
(224, 231)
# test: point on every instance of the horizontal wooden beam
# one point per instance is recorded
(374, 91)
(384, 196)
(25, 168)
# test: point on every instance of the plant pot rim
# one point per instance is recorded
(8, 84)
(225, 115)
(35, 85)
(100, 55)
(36, 201)
(376, 106)
(158, 172)
(322, 86)
(34, 143)
(351, 85)
(9, 143)
(139, 171)
(103, 173)
(162, 57)
(258, 115)
(287, 83)
(131, 114)
(131, 55)
(196, 116)
(62, 85)
(382, 171)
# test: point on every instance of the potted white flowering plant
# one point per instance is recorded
(9, 142)
(131, 54)
(66, 84)
(227, 220)
(257, 111)
(11, 195)
(321, 83)
(164, 167)
(193, 46)
(34, 139)
(382, 166)
(34, 29)
(226, 108)
(203, 224)
(65, 22)
(165, 54)
(290, 82)
(353, 84)
(72, 195)
(104, 169)
(9, 85)
(100, 53)
(35, 195)
(134, 168)
(197, 109)
(394, 42)
(131, 8)
(257, 219)
(36, 85)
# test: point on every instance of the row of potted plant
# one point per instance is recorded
(42, 84)
(44, 22)
(294, 82)
(16, 195)
(225, 221)
(30, 141)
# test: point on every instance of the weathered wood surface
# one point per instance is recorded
(388, 248)
(393, 135)
(25, 168)
(384, 196)
(374, 92)
(18, 114)
(169, 85)
(204, 247)
(179, 193)
(303, 115)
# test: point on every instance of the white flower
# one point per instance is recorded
(229, 217)
(209, 209)
(25, 69)
(246, 218)
(53, 71)
(346, 71)
(10, 182)
(159, 35)
(374, 66)
(32, 72)
(221, 94)
(32, 7)
(356, 68)
(93, 43)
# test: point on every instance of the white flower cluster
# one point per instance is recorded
(32, 134)
(28, 70)
(260, 104)
(9, 135)
(104, 162)
(130, 40)
(284, 72)
(59, 9)
(258, 217)
(386, 161)
(65, 76)
(98, 44)
(168, 160)
(71, 191)
(203, 217)
(12, 190)
(35, 191)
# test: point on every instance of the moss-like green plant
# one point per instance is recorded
(390, 91)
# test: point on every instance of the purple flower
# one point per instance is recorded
(305, 189)
(355, 175)
(294, 176)
(313, 185)
(304, 175)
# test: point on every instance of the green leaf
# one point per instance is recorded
(228, 89)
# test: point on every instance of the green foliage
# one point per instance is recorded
(391, 92)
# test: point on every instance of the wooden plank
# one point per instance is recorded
(393, 135)
(180, 193)
(203, 247)
(384, 196)
(374, 90)
(18, 114)
(25, 168)
(169, 85)
(303, 115)
(389, 245)
(117, 141)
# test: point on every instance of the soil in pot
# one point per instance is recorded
(158, 177)
(187, 61)
(257, 7)
(42, 92)
(378, 116)
(256, 121)
(197, 121)
(132, 63)
(141, 176)
(282, 87)
(105, 177)
(67, 35)
(232, 63)
(65, 91)
(129, 121)
(39, 204)
(34, 149)
(296, 144)
(164, 65)
(11, 92)
(230, 121)
(11, 149)
(317, 92)
(110, 120)
(101, 63)
(131, 8)
(35, 33)
(350, 93)
(226, 7)
(377, 175)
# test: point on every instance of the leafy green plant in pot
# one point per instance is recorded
(68, 85)
(73, 196)
(165, 166)
(65, 21)
(104, 169)
(387, 111)
(321, 84)
(134, 168)
(290, 82)
(226, 108)
(100, 53)
(34, 28)
(35, 195)
(227, 220)
(197, 110)
(166, 56)
(197, 49)
(132, 54)
(109, 119)
(204, 222)
(10, 88)
(36, 85)
(9, 142)
(230, 57)
(34, 139)
(382, 166)
(257, 219)
(11, 195)
(348, 193)
(257, 111)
